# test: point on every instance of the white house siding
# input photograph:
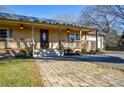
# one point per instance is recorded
(92, 38)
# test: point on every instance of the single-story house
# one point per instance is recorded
(25, 32)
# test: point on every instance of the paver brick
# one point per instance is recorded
(78, 74)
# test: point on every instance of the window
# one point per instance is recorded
(77, 36)
(73, 37)
(3, 33)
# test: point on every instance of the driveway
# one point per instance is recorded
(115, 53)
(68, 72)
(112, 59)
(116, 59)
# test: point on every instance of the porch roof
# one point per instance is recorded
(22, 18)
(35, 19)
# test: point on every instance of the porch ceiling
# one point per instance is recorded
(16, 23)
(87, 30)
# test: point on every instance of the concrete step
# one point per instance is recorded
(46, 53)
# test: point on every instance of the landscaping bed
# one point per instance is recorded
(19, 73)
(69, 52)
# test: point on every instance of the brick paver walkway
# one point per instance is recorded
(77, 74)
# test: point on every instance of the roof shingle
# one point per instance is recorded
(35, 19)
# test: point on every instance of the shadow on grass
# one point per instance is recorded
(8, 60)
(95, 58)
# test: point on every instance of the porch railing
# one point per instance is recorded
(13, 43)
(79, 44)
(72, 45)
(27, 43)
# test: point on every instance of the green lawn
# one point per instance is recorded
(19, 73)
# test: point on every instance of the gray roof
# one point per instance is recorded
(35, 19)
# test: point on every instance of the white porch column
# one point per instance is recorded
(85, 39)
(59, 35)
(81, 38)
(7, 46)
(33, 42)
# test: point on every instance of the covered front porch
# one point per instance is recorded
(27, 35)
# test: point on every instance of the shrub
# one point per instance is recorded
(108, 48)
(114, 48)
(30, 52)
(98, 50)
(92, 52)
(68, 50)
(83, 50)
(77, 52)
(23, 52)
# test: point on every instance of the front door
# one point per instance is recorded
(44, 38)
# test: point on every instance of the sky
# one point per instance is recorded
(46, 11)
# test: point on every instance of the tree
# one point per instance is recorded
(97, 16)
(121, 41)
(100, 18)
(117, 10)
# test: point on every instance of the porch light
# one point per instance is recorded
(21, 26)
(68, 30)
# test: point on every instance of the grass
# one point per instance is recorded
(19, 73)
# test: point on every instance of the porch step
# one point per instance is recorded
(46, 53)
